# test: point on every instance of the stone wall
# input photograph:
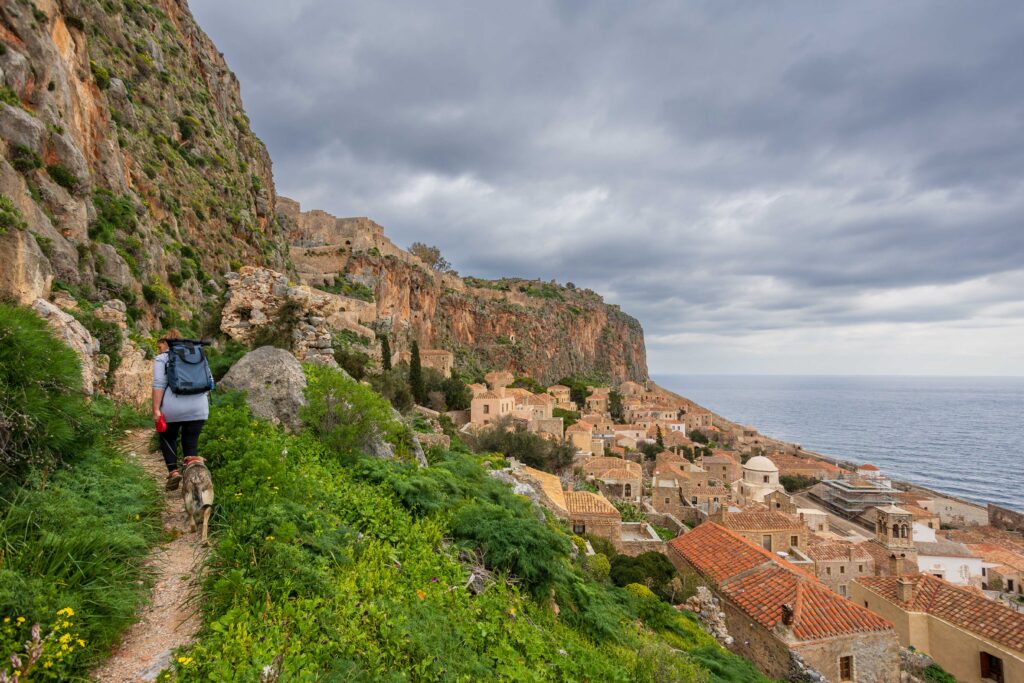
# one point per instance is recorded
(1003, 518)
(876, 656)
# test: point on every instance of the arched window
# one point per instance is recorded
(628, 490)
(895, 530)
(904, 531)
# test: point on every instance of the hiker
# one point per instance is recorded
(183, 413)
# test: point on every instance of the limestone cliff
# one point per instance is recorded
(530, 327)
(128, 156)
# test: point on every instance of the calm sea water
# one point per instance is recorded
(961, 435)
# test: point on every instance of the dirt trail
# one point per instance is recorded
(171, 618)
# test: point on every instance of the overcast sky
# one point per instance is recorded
(769, 187)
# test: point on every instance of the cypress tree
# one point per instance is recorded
(659, 439)
(385, 353)
(419, 389)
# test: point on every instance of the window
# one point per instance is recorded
(1009, 585)
(842, 590)
(693, 500)
(828, 570)
(628, 490)
(794, 541)
(765, 478)
(842, 569)
(991, 668)
(579, 528)
(766, 542)
(666, 501)
(860, 569)
(846, 668)
(487, 409)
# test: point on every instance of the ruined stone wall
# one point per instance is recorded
(876, 656)
(1003, 518)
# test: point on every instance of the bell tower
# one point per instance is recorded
(894, 531)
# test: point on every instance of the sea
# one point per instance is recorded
(958, 435)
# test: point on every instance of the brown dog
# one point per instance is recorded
(197, 493)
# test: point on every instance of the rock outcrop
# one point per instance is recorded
(528, 327)
(67, 329)
(258, 298)
(125, 147)
(273, 382)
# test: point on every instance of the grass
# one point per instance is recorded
(78, 538)
(357, 572)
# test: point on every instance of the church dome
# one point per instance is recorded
(759, 463)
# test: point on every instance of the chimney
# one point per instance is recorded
(897, 565)
(787, 614)
(568, 487)
(904, 589)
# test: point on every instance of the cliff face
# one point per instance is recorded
(531, 328)
(128, 155)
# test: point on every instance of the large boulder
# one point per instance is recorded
(274, 384)
(74, 334)
(25, 273)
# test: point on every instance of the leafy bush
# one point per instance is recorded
(10, 216)
(63, 177)
(24, 159)
(457, 395)
(352, 360)
(114, 216)
(936, 674)
(650, 569)
(526, 447)
(569, 417)
(41, 405)
(796, 482)
(393, 385)
(106, 332)
(101, 75)
(347, 287)
(280, 330)
(222, 359)
(598, 566)
(7, 95)
(345, 415)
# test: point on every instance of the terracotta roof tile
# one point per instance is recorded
(587, 503)
(1003, 556)
(760, 583)
(963, 608)
(766, 520)
(821, 550)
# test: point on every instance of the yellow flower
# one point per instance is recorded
(66, 612)
(7, 620)
(47, 664)
(270, 538)
(21, 620)
(184, 661)
(422, 595)
(66, 638)
(81, 643)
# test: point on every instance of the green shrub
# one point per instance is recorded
(597, 566)
(936, 674)
(350, 358)
(796, 482)
(457, 395)
(10, 216)
(40, 394)
(345, 415)
(156, 292)
(650, 569)
(280, 330)
(8, 96)
(63, 177)
(526, 447)
(115, 216)
(394, 386)
(25, 160)
(101, 75)
(106, 332)
(222, 359)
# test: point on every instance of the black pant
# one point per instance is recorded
(189, 441)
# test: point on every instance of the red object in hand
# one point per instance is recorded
(161, 424)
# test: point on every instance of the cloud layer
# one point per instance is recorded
(770, 188)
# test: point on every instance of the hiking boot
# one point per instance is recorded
(173, 481)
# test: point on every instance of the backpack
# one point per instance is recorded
(188, 371)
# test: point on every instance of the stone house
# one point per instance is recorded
(634, 432)
(773, 608)
(628, 388)
(616, 478)
(597, 402)
(1003, 567)
(563, 397)
(721, 466)
(771, 529)
(490, 406)
(581, 436)
(837, 563)
(975, 639)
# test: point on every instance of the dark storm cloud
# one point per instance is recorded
(722, 168)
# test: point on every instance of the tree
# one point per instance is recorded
(416, 383)
(431, 256)
(385, 353)
(615, 406)
(659, 439)
(456, 394)
(650, 569)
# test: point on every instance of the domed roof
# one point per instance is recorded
(759, 463)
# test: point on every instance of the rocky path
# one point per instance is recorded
(171, 618)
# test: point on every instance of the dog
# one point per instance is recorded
(197, 493)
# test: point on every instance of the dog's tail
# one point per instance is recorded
(203, 498)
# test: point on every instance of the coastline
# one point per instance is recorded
(726, 424)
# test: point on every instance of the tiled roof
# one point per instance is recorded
(964, 609)
(604, 462)
(835, 551)
(540, 399)
(1003, 556)
(760, 584)
(619, 474)
(550, 485)
(579, 427)
(587, 503)
(869, 467)
(942, 549)
(761, 520)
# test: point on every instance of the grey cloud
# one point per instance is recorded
(757, 167)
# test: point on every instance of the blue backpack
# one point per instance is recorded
(188, 372)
